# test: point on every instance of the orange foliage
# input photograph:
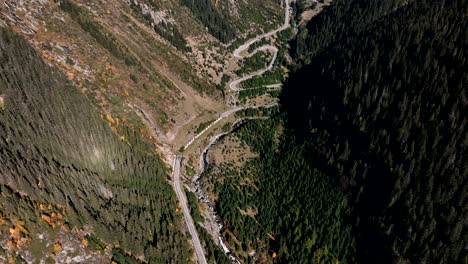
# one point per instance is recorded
(11, 245)
(84, 242)
(110, 119)
(18, 235)
(53, 220)
(24, 241)
(57, 247)
(71, 75)
(48, 57)
(47, 219)
(20, 226)
(14, 233)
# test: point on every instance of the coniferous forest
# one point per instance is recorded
(384, 104)
(213, 19)
(63, 166)
(371, 164)
(364, 160)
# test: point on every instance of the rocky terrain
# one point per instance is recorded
(94, 95)
(156, 55)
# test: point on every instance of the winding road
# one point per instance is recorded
(234, 84)
(178, 185)
(245, 46)
(225, 115)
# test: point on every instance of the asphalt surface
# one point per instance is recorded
(233, 86)
(186, 211)
(242, 48)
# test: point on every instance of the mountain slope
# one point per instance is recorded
(140, 56)
(366, 162)
(59, 157)
(382, 103)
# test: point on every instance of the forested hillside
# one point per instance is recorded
(278, 205)
(65, 167)
(217, 24)
(227, 20)
(367, 162)
(381, 95)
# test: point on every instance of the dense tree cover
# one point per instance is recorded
(55, 149)
(370, 166)
(271, 77)
(256, 62)
(301, 215)
(258, 44)
(172, 34)
(251, 93)
(344, 18)
(193, 204)
(218, 25)
(381, 95)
